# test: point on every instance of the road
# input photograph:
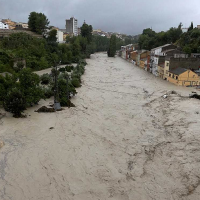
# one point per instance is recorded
(122, 141)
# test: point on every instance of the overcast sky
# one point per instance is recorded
(123, 16)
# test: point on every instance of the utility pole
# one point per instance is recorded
(56, 102)
(67, 80)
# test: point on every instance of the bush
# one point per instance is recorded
(75, 82)
(15, 102)
(29, 85)
(76, 75)
(48, 92)
(69, 68)
(64, 102)
(45, 79)
(53, 71)
(20, 66)
(62, 69)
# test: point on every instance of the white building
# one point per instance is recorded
(72, 26)
(3, 26)
(155, 53)
(59, 36)
(185, 30)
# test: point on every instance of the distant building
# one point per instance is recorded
(184, 30)
(79, 31)
(3, 25)
(10, 23)
(72, 26)
(198, 26)
(156, 54)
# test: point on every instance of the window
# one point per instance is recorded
(176, 77)
(167, 64)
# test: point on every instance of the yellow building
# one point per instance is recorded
(142, 64)
(183, 77)
(161, 70)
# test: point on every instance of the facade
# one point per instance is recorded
(183, 77)
(3, 25)
(126, 51)
(59, 36)
(157, 53)
(164, 61)
(195, 55)
(133, 55)
(72, 26)
(145, 59)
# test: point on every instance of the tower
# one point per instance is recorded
(72, 26)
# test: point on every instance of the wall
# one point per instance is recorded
(59, 36)
(187, 63)
(166, 70)
(69, 26)
(187, 78)
(133, 55)
(4, 26)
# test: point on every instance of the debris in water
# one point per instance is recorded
(195, 96)
(1, 144)
(45, 109)
(165, 96)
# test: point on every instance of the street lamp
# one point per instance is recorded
(56, 102)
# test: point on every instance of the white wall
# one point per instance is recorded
(3, 26)
(59, 36)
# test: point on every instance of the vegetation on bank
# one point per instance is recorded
(22, 54)
(25, 89)
(189, 41)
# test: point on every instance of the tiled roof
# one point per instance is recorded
(178, 71)
(161, 46)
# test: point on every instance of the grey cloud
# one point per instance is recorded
(124, 16)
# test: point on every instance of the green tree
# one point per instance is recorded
(191, 27)
(14, 102)
(76, 50)
(112, 47)
(29, 85)
(38, 22)
(86, 31)
(52, 35)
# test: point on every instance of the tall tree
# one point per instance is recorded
(112, 47)
(191, 27)
(38, 22)
(86, 31)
